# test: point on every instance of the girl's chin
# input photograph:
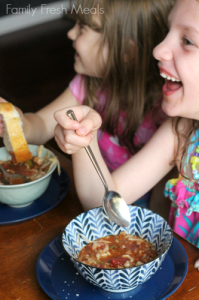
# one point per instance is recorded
(169, 110)
(78, 69)
(171, 105)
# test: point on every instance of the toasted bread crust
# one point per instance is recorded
(13, 137)
(7, 110)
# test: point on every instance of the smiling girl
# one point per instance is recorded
(116, 75)
(176, 142)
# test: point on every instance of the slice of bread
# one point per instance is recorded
(13, 136)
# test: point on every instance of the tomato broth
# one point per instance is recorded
(118, 251)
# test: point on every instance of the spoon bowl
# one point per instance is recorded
(116, 208)
(114, 205)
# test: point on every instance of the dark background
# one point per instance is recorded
(36, 64)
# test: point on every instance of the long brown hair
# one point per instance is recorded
(184, 135)
(131, 28)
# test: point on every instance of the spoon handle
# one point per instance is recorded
(89, 151)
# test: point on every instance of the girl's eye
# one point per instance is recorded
(187, 42)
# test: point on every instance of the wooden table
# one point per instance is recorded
(21, 244)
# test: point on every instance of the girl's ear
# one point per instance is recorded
(130, 51)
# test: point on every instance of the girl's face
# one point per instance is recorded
(178, 57)
(90, 58)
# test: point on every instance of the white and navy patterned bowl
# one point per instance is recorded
(95, 224)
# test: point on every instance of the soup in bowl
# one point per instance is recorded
(94, 224)
(37, 175)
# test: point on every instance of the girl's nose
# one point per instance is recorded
(73, 32)
(163, 51)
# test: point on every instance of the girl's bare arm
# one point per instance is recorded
(133, 179)
(39, 126)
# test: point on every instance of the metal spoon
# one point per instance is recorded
(114, 205)
(10, 177)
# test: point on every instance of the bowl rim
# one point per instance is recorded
(128, 268)
(32, 182)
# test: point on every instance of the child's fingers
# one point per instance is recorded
(18, 109)
(88, 119)
(2, 100)
(61, 145)
(59, 138)
(1, 129)
(1, 126)
(91, 122)
(62, 118)
(69, 141)
(1, 119)
(77, 142)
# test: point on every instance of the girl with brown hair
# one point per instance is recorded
(116, 75)
(176, 142)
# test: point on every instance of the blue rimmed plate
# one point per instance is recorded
(60, 280)
(55, 193)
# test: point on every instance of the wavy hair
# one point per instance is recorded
(132, 29)
(184, 135)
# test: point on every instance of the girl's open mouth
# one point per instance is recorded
(171, 84)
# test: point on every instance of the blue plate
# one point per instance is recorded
(61, 281)
(55, 193)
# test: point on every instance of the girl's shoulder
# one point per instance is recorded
(195, 135)
(184, 127)
(150, 123)
(77, 87)
(186, 138)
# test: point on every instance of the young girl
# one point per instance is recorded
(117, 75)
(176, 142)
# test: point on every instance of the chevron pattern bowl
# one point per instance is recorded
(95, 224)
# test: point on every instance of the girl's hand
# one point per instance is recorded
(1, 120)
(71, 135)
